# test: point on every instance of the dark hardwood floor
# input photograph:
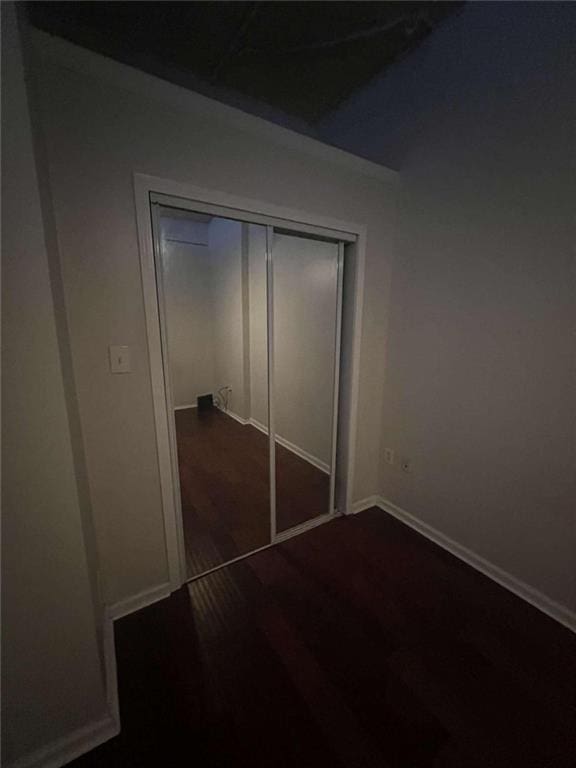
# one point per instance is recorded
(359, 644)
(224, 484)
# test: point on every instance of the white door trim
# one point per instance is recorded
(273, 219)
(336, 385)
(146, 186)
(270, 356)
(177, 528)
(172, 515)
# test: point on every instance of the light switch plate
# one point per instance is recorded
(120, 359)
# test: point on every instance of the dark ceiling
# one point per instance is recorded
(301, 58)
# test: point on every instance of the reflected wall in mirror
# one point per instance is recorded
(306, 307)
(212, 274)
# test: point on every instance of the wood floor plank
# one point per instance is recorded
(358, 644)
(398, 728)
(225, 489)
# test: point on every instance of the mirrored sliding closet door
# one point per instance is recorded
(306, 312)
(250, 327)
(212, 274)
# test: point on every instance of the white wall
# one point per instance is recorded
(258, 324)
(186, 271)
(205, 294)
(228, 302)
(52, 678)
(480, 353)
(101, 126)
(206, 299)
(305, 307)
(305, 304)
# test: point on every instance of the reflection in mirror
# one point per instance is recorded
(305, 320)
(213, 279)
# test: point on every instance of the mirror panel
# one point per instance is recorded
(305, 286)
(212, 274)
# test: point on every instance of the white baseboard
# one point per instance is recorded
(228, 413)
(141, 600)
(110, 670)
(234, 416)
(68, 748)
(556, 611)
(82, 740)
(318, 463)
(77, 743)
(321, 465)
(360, 506)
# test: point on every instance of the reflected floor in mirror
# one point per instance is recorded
(224, 485)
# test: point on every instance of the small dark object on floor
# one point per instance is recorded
(205, 403)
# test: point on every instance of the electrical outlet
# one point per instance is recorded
(389, 456)
(406, 465)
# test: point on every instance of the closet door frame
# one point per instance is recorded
(351, 238)
(332, 508)
(270, 375)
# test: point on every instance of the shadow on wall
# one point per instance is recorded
(480, 386)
